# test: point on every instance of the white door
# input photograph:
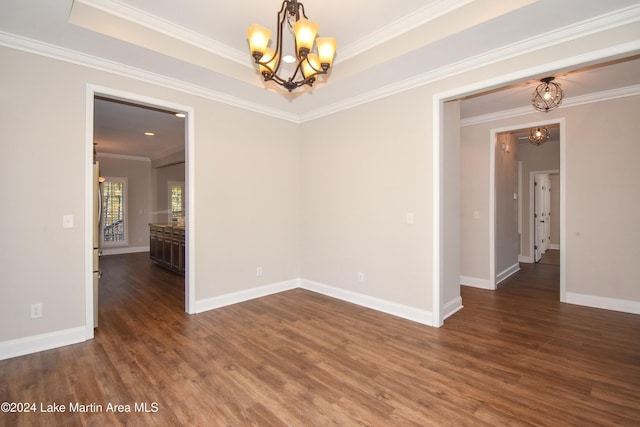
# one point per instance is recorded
(546, 213)
(539, 215)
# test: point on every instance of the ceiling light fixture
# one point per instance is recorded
(538, 136)
(308, 64)
(547, 96)
(149, 133)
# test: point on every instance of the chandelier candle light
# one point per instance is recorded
(308, 64)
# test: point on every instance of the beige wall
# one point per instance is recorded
(246, 199)
(323, 200)
(507, 239)
(362, 171)
(475, 149)
(603, 199)
(450, 240)
(43, 164)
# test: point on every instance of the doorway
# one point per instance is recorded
(187, 138)
(442, 165)
(512, 217)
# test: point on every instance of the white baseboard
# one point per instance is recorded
(246, 295)
(474, 282)
(35, 343)
(124, 250)
(452, 307)
(525, 259)
(625, 306)
(555, 246)
(410, 313)
(503, 275)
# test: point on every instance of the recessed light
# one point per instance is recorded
(149, 133)
(181, 115)
(289, 59)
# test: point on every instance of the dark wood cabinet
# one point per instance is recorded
(167, 246)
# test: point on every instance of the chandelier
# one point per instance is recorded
(308, 64)
(547, 95)
(538, 136)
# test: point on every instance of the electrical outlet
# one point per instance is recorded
(259, 272)
(361, 277)
(36, 311)
(67, 221)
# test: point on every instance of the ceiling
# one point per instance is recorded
(122, 128)
(200, 46)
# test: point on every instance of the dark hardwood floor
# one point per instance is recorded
(515, 356)
(551, 256)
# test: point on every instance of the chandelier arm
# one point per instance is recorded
(282, 17)
(292, 83)
(300, 10)
(320, 71)
(282, 14)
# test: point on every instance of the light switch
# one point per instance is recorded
(67, 221)
(476, 214)
(409, 218)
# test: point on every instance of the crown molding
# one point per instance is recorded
(582, 29)
(59, 53)
(155, 23)
(122, 157)
(169, 152)
(403, 25)
(606, 95)
(611, 20)
(169, 29)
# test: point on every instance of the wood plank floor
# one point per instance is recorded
(551, 256)
(515, 356)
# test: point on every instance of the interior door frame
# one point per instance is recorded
(493, 279)
(438, 164)
(190, 283)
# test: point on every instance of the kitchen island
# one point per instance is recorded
(166, 246)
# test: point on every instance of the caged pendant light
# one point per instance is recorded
(309, 63)
(538, 136)
(547, 96)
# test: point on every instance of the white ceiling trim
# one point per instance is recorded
(169, 29)
(581, 29)
(56, 52)
(122, 157)
(543, 41)
(400, 26)
(608, 21)
(606, 95)
(394, 29)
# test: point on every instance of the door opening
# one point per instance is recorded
(122, 125)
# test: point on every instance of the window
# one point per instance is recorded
(114, 209)
(176, 201)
